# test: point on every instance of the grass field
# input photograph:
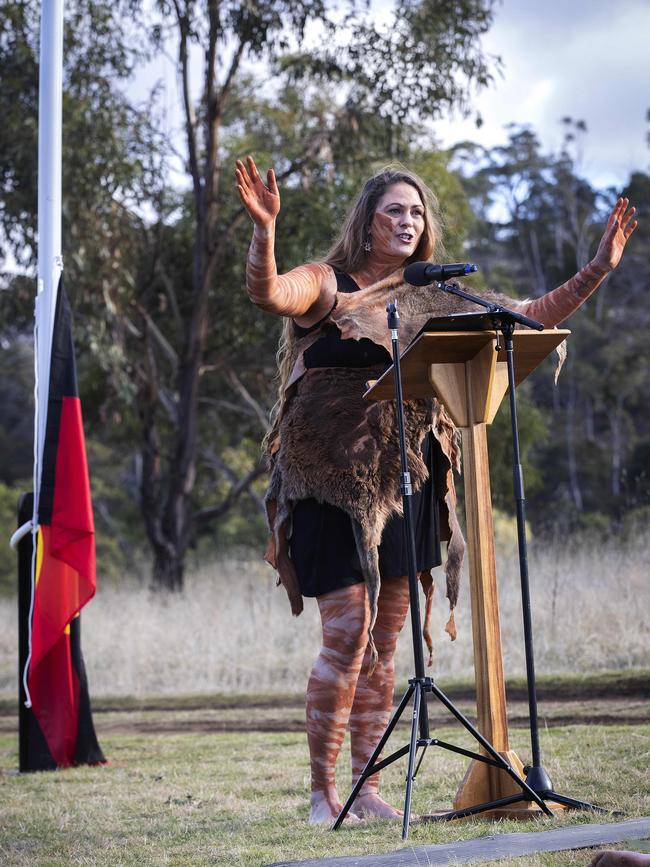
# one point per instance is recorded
(233, 799)
(220, 776)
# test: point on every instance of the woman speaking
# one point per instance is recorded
(334, 503)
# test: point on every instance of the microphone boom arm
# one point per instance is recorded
(497, 310)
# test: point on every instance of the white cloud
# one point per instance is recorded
(581, 58)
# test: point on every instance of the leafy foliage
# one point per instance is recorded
(586, 470)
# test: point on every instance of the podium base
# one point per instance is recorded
(483, 783)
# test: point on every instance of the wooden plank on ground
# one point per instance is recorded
(493, 847)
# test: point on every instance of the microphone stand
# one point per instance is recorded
(503, 321)
(420, 685)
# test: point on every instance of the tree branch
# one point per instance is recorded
(168, 350)
(211, 402)
(212, 123)
(232, 71)
(236, 490)
(260, 412)
(171, 294)
(190, 119)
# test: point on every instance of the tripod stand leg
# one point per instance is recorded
(487, 746)
(579, 805)
(370, 764)
(410, 773)
(421, 759)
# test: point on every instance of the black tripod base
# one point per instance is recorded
(540, 783)
(574, 804)
(550, 799)
(420, 740)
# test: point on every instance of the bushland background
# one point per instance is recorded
(176, 375)
(177, 368)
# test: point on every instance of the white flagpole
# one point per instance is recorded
(50, 263)
(50, 260)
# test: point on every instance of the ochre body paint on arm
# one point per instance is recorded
(293, 294)
(558, 305)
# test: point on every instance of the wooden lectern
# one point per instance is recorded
(468, 374)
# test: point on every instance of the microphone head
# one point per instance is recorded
(416, 273)
(422, 273)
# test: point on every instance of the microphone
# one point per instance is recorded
(422, 273)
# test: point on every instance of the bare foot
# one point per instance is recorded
(619, 858)
(370, 804)
(326, 808)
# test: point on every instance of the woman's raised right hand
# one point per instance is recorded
(261, 201)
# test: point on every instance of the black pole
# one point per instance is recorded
(520, 504)
(407, 492)
(420, 714)
(25, 510)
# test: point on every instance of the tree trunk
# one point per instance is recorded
(537, 265)
(168, 570)
(572, 462)
(170, 530)
(616, 421)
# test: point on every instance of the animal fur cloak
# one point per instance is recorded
(329, 443)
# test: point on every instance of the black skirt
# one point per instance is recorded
(322, 544)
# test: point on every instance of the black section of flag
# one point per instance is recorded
(34, 754)
(63, 383)
(87, 749)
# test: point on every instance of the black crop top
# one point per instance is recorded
(330, 351)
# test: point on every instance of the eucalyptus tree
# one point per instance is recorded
(424, 60)
(538, 222)
(112, 157)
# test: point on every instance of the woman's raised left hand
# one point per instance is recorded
(620, 226)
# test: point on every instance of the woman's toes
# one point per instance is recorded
(370, 804)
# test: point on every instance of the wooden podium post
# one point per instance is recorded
(468, 375)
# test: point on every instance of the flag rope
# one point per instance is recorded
(36, 486)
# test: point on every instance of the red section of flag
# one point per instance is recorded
(73, 528)
(65, 582)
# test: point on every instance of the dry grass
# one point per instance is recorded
(232, 631)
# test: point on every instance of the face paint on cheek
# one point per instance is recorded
(382, 228)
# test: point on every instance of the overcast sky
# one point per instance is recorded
(588, 59)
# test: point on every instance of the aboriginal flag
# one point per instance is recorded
(65, 564)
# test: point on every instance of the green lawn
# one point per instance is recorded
(235, 799)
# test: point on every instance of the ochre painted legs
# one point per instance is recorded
(373, 700)
(339, 691)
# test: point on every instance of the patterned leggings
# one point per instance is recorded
(339, 690)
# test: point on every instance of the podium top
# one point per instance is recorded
(460, 322)
(457, 347)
